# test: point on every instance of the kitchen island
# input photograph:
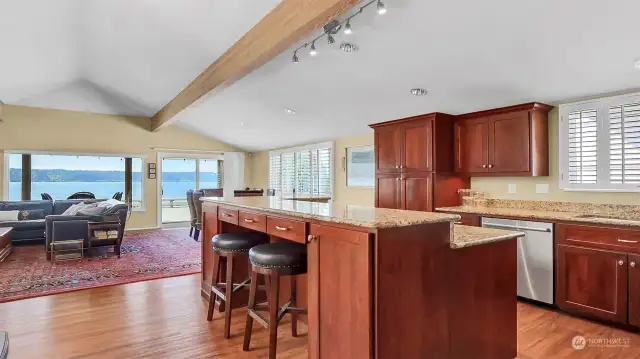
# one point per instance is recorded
(385, 283)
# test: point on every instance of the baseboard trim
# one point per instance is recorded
(142, 229)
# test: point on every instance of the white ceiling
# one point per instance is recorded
(132, 57)
(469, 55)
(114, 56)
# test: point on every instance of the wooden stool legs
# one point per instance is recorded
(272, 278)
(217, 295)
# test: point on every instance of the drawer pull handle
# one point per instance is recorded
(226, 215)
(627, 241)
(249, 220)
(282, 228)
(620, 262)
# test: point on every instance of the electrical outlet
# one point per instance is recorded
(511, 188)
(542, 188)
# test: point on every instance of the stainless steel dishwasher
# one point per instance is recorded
(535, 256)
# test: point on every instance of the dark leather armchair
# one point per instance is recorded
(46, 197)
(192, 213)
(118, 196)
(197, 204)
(82, 195)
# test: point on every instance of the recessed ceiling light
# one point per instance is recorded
(418, 92)
(637, 65)
(289, 111)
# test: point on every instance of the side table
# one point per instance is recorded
(5, 242)
(104, 227)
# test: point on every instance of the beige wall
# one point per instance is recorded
(27, 128)
(259, 172)
(526, 186)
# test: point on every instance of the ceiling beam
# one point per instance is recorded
(284, 26)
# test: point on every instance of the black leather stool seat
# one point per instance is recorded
(289, 258)
(238, 241)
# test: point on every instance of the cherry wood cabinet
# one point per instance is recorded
(340, 297)
(470, 220)
(414, 163)
(592, 282)
(509, 141)
(209, 229)
(634, 289)
(472, 154)
(388, 151)
(388, 191)
(416, 192)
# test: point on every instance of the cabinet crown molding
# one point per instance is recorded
(426, 116)
(530, 106)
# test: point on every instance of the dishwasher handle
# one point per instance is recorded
(547, 230)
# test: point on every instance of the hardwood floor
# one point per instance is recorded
(166, 318)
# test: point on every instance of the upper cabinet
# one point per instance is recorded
(414, 163)
(509, 141)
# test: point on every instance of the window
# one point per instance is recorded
(360, 166)
(61, 175)
(600, 144)
(303, 170)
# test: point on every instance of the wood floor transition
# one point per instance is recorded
(166, 318)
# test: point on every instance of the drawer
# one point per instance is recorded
(228, 215)
(288, 229)
(257, 222)
(599, 237)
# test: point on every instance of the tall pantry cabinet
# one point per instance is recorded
(414, 163)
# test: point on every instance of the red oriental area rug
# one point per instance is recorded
(26, 273)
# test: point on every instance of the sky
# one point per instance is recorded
(88, 163)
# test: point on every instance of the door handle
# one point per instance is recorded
(633, 264)
(627, 241)
(311, 238)
(620, 263)
(484, 166)
(490, 166)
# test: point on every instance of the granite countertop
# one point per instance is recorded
(361, 216)
(619, 215)
(467, 236)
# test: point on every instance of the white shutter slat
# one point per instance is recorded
(582, 146)
(624, 148)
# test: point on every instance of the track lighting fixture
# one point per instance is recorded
(347, 28)
(330, 39)
(334, 27)
(313, 51)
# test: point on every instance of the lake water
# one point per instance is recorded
(62, 190)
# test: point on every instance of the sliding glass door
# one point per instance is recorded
(180, 174)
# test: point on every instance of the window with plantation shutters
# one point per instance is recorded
(303, 170)
(600, 144)
(583, 132)
(624, 145)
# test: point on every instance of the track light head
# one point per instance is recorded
(382, 9)
(347, 28)
(313, 51)
(295, 57)
(330, 39)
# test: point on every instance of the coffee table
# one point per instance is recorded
(5, 242)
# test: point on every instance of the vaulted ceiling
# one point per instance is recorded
(132, 57)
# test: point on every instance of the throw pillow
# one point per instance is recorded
(71, 211)
(31, 214)
(9, 215)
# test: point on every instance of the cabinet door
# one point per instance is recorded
(417, 192)
(509, 143)
(417, 146)
(340, 293)
(634, 290)
(388, 191)
(471, 145)
(388, 149)
(209, 229)
(592, 282)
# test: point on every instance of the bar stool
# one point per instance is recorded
(273, 261)
(227, 246)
